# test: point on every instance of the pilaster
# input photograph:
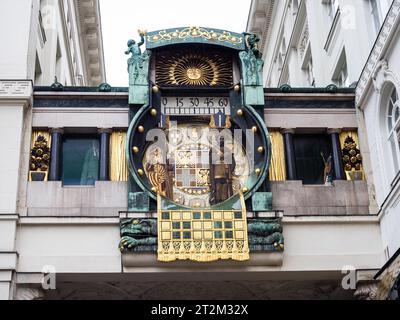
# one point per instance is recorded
(15, 107)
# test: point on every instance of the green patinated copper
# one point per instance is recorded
(190, 35)
(140, 235)
(105, 87)
(138, 68)
(138, 202)
(252, 67)
(262, 201)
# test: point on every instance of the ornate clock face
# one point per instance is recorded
(188, 176)
(194, 104)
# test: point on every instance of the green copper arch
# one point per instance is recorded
(192, 35)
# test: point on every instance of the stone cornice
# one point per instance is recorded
(20, 91)
(88, 13)
(260, 18)
(387, 32)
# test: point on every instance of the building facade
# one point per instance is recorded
(94, 204)
(208, 177)
(46, 42)
(309, 43)
(56, 39)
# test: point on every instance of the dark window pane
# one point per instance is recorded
(207, 215)
(176, 225)
(229, 235)
(218, 225)
(165, 215)
(80, 161)
(197, 215)
(228, 225)
(309, 161)
(176, 235)
(218, 235)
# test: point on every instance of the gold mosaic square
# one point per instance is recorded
(217, 215)
(187, 216)
(166, 235)
(197, 235)
(197, 225)
(207, 225)
(165, 225)
(239, 235)
(176, 216)
(228, 215)
(208, 235)
(239, 224)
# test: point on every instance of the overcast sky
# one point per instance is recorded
(122, 18)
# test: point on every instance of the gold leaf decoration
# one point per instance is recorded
(194, 69)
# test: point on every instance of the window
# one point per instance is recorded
(311, 151)
(376, 15)
(58, 60)
(41, 28)
(310, 73)
(342, 77)
(394, 126)
(333, 8)
(80, 160)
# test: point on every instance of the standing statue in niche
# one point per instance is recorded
(252, 62)
(138, 63)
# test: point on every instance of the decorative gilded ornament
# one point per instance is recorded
(153, 112)
(258, 171)
(140, 172)
(260, 149)
(189, 68)
(351, 155)
(240, 112)
(156, 89)
(254, 129)
(140, 129)
(135, 150)
(40, 155)
(236, 88)
(245, 190)
(234, 40)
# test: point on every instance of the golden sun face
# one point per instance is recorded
(193, 69)
(194, 73)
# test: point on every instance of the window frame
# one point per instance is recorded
(77, 136)
(393, 126)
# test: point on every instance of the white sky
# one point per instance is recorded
(122, 18)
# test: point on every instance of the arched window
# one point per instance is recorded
(393, 121)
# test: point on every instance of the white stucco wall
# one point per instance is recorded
(380, 76)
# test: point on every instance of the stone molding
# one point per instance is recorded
(26, 293)
(382, 74)
(16, 89)
(386, 34)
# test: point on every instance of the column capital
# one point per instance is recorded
(56, 130)
(288, 131)
(334, 130)
(104, 130)
(16, 91)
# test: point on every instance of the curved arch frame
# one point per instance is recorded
(254, 183)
